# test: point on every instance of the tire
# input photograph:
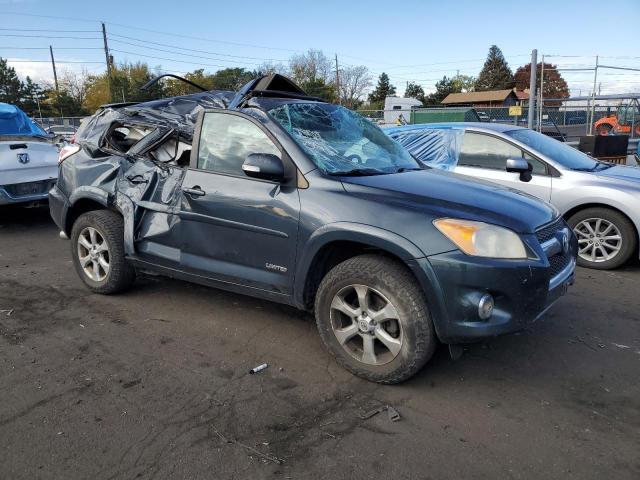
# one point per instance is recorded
(104, 230)
(388, 282)
(621, 227)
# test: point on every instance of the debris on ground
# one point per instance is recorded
(394, 416)
(7, 311)
(257, 369)
(264, 456)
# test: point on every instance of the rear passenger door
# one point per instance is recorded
(237, 229)
(485, 156)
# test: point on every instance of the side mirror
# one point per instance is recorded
(521, 166)
(265, 166)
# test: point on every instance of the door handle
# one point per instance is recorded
(194, 191)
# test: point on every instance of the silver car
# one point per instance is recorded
(599, 200)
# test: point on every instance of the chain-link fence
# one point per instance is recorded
(59, 125)
(566, 120)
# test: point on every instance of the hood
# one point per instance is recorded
(622, 173)
(446, 194)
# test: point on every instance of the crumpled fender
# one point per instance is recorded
(352, 232)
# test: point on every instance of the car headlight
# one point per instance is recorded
(482, 239)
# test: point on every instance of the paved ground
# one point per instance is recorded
(154, 384)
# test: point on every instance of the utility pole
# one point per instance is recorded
(338, 81)
(541, 95)
(55, 79)
(53, 65)
(532, 88)
(593, 104)
(108, 60)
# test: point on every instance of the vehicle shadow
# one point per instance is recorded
(18, 216)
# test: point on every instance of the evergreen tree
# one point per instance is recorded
(495, 74)
(10, 84)
(383, 90)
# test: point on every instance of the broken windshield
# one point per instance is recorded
(341, 142)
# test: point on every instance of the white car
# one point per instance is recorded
(28, 158)
(599, 200)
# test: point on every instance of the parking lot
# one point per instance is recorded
(154, 383)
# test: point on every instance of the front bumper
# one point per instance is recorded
(523, 291)
(38, 191)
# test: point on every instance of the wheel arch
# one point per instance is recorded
(335, 243)
(84, 199)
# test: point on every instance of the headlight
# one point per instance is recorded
(482, 239)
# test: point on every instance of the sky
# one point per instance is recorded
(419, 41)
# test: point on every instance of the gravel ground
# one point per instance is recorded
(153, 384)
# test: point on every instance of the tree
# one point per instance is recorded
(463, 83)
(354, 81)
(311, 66)
(383, 90)
(414, 90)
(231, 78)
(10, 85)
(443, 88)
(495, 74)
(553, 85)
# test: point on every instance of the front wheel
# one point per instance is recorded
(606, 238)
(373, 318)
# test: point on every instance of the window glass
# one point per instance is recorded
(226, 141)
(539, 168)
(484, 151)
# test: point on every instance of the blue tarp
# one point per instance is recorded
(14, 121)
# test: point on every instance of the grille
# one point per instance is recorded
(548, 231)
(558, 263)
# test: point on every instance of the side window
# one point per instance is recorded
(539, 168)
(226, 140)
(484, 151)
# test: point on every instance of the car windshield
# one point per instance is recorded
(562, 153)
(341, 142)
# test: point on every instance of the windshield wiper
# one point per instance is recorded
(596, 168)
(408, 169)
(358, 172)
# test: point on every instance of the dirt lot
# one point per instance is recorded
(154, 384)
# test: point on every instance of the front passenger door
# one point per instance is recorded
(485, 156)
(237, 229)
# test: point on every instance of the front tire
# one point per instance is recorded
(97, 249)
(373, 318)
(605, 129)
(606, 238)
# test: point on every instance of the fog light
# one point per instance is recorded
(485, 306)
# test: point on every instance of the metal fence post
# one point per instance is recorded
(532, 87)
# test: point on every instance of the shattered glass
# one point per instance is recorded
(341, 141)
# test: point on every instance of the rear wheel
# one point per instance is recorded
(97, 249)
(606, 238)
(373, 318)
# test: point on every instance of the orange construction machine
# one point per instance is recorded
(621, 122)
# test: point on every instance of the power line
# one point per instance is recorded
(47, 36)
(169, 59)
(46, 30)
(188, 49)
(47, 48)
(48, 61)
(184, 54)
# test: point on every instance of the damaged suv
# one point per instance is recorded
(275, 194)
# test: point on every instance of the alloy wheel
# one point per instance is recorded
(93, 253)
(599, 240)
(366, 324)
